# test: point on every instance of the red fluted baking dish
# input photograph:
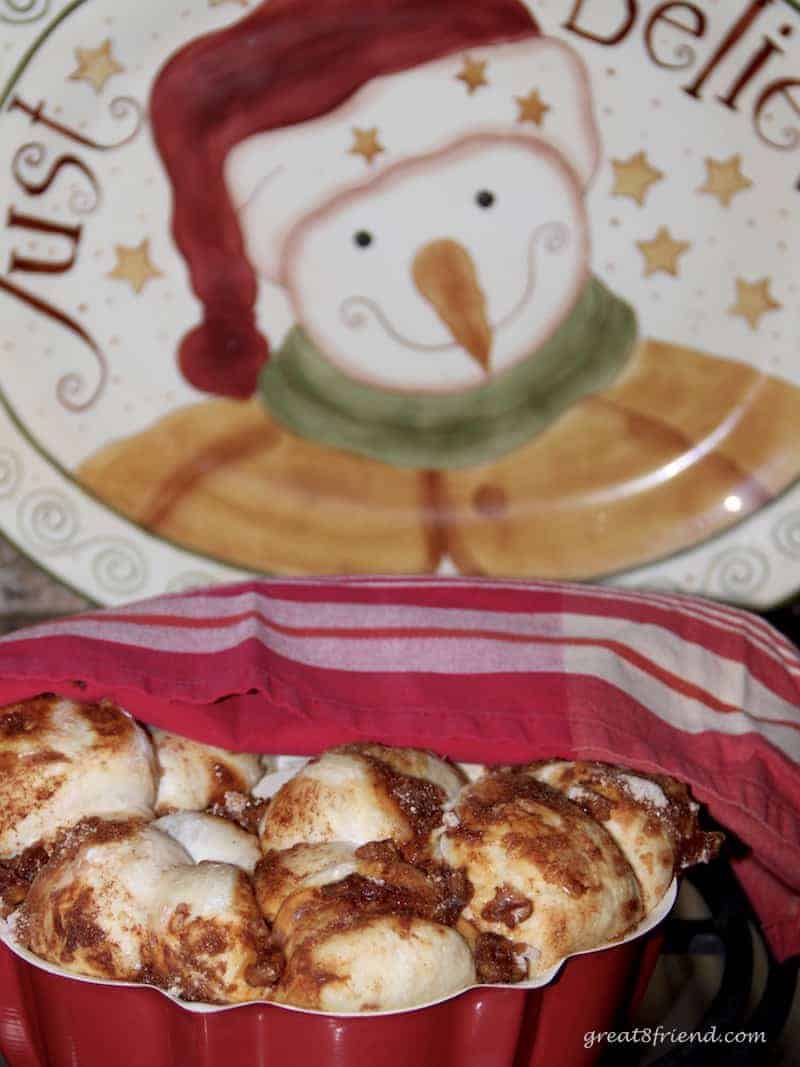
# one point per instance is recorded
(50, 1021)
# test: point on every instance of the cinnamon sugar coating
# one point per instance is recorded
(376, 939)
(194, 776)
(362, 793)
(652, 818)
(121, 899)
(379, 877)
(61, 761)
(542, 870)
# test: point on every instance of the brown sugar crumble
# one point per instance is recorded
(241, 808)
(16, 876)
(498, 960)
(507, 907)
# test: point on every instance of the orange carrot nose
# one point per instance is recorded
(445, 275)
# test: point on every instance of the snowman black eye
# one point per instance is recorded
(363, 238)
(484, 198)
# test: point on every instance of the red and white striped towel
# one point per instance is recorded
(483, 671)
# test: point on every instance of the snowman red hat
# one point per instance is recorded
(336, 92)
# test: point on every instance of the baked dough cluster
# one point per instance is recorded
(374, 878)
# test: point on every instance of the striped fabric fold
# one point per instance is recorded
(479, 670)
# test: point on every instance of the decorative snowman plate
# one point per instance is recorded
(417, 286)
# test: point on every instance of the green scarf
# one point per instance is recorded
(315, 399)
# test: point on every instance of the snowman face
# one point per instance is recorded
(443, 271)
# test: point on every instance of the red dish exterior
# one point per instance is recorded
(48, 1021)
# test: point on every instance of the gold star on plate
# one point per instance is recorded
(95, 65)
(633, 177)
(532, 108)
(366, 144)
(661, 253)
(724, 179)
(134, 265)
(753, 299)
(473, 74)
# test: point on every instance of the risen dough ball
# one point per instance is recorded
(437, 893)
(62, 761)
(302, 866)
(418, 762)
(210, 942)
(361, 793)
(388, 962)
(194, 776)
(208, 837)
(123, 900)
(628, 806)
(651, 817)
(372, 941)
(545, 875)
(88, 910)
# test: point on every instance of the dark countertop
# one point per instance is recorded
(27, 595)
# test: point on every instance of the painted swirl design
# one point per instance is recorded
(49, 523)
(48, 519)
(72, 390)
(737, 573)
(119, 567)
(19, 12)
(126, 109)
(786, 535)
(10, 472)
